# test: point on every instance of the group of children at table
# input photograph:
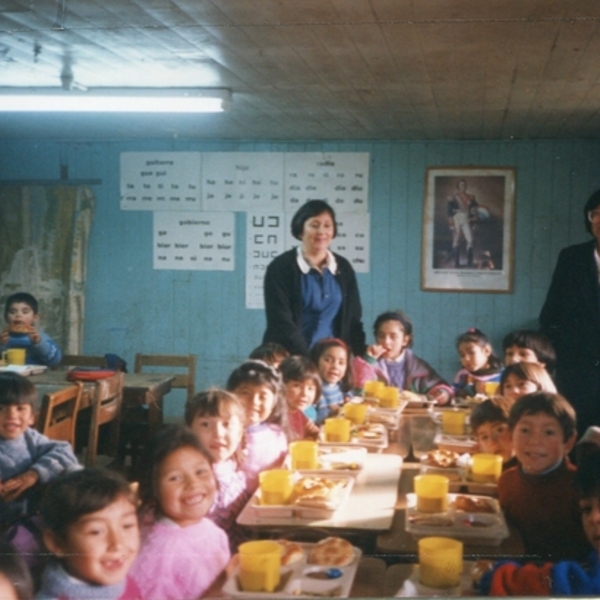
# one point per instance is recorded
(195, 479)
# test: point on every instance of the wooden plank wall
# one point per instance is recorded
(130, 307)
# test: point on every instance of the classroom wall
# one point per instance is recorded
(130, 307)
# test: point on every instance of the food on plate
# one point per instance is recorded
(473, 505)
(441, 458)
(480, 568)
(383, 418)
(473, 521)
(431, 521)
(19, 328)
(331, 551)
(342, 466)
(291, 552)
(317, 491)
(368, 432)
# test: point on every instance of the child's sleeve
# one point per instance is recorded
(47, 351)
(49, 457)
(365, 369)
(511, 579)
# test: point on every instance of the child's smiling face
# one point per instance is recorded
(333, 364)
(21, 314)
(221, 435)
(300, 394)
(538, 442)
(258, 399)
(514, 387)
(15, 419)
(100, 547)
(186, 486)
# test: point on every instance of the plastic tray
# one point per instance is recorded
(388, 417)
(485, 529)
(302, 580)
(413, 588)
(339, 460)
(378, 443)
(460, 480)
(300, 511)
(456, 443)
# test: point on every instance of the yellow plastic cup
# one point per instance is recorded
(491, 389)
(440, 562)
(453, 421)
(260, 565)
(14, 356)
(305, 455)
(357, 413)
(370, 387)
(432, 493)
(390, 397)
(337, 429)
(486, 468)
(275, 486)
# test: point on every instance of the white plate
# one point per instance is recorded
(303, 511)
(413, 588)
(25, 369)
(302, 580)
(485, 529)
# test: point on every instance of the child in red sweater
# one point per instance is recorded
(538, 496)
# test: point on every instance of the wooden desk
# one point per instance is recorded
(370, 508)
(401, 546)
(146, 389)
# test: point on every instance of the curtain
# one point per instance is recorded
(44, 232)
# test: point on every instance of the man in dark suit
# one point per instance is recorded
(570, 317)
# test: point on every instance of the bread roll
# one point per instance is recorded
(332, 551)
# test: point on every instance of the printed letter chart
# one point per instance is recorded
(264, 241)
(196, 241)
(242, 181)
(340, 178)
(161, 180)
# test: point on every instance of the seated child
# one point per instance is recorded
(90, 525)
(522, 378)
(489, 424)
(26, 456)
(183, 553)
(392, 360)
(538, 495)
(566, 578)
(15, 578)
(259, 388)
(302, 388)
(332, 358)
(21, 316)
(480, 364)
(270, 352)
(218, 419)
(525, 345)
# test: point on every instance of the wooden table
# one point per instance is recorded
(399, 545)
(369, 511)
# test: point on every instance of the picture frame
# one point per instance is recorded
(468, 229)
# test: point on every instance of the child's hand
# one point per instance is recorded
(375, 350)
(34, 335)
(4, 335)
(14, 487)
(440, 396)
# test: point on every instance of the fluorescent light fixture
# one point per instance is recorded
(115, 100)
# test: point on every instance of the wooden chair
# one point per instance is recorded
(168, 362)
(82, 360)
(106, 408)
(58, 417)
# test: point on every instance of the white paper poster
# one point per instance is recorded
(340, 178)
(195, 241)
(161, 181)
(243, 181)
(264, 241)
(353, 239)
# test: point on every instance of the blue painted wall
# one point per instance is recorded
(130, 307)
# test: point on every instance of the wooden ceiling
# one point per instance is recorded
(316, 69)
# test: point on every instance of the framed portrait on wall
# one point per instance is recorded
(468, 229)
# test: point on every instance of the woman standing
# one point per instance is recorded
(310, 292)
(570, 317)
